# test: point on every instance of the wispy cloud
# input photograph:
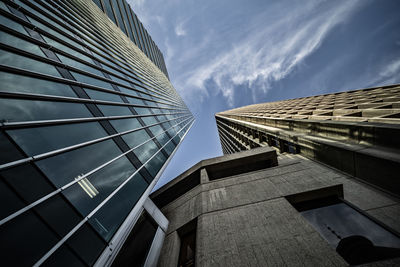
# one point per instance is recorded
(179, 30)
(269, 53)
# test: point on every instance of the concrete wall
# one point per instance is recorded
(245, 220)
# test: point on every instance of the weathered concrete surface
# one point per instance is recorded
(245, 220)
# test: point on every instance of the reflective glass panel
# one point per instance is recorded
(110, 110)
(125, 124)
(22, 62)
(64, 168)
(43, 139)
(107, 220)
(99, 95)
(89, 192)
(135, 138)
(31, 110)
(18, 83)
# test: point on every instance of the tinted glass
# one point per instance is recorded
(42, 139)
(346, 221)
(24, 84)
(155, 164)
(63, 257)
(22, 62)
(65, 167)
(59, 214)
(7, 195)
(37, 240)
(145, 151)
(87, 244)
(32, 110)
(73, 63)
(109, 110)
(12, 152)
(90, 191)
(107, 220)
(28, 182)
(125, 124)
(99, 95)
(11, 24)
(136, 138)
(16, 42)
(92, 81)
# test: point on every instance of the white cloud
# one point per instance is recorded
(179, 30)
(268, 53)
(391, 69)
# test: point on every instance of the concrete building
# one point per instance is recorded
(88, 121)
(254, 208)
(356, 131)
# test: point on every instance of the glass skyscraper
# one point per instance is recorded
(88, 121)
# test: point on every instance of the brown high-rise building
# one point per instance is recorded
(356, 132)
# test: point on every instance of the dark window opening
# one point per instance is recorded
(187, 253)
(356, 237)
(136, 247)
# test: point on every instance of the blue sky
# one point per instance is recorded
(229, 53)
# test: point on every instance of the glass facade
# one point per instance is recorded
(122, 15)
(87, 124)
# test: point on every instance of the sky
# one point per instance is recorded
(230, 53)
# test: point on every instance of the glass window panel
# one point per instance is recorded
(109, 11)
(122, 7)
(91, 191)
(22, 62)
(87, 244)
(18, 83)
(3, 6)
(99, 95)
(28, 182)
(12, 152)
(149, 120)
(63, 257)
(43, 139)
(25, 239)
(135, 101)
(97, 2)
(11, 24)
(169, 148)
(81, 66)
(142, 111)
(125, 124)
(155, 164)
(67, 49)
(8, 196)
(145, 151)
(109, 110)
(31, 110)
(156, 130)
(346, 221)
(59, 214)
(128, 91)
(64, 168)
(109, 68)
(163, 138)
(90, 80)
(135, 138)
(119, 17)
(53, 32)
(107, 219)
(137, 246)
(116, 79)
